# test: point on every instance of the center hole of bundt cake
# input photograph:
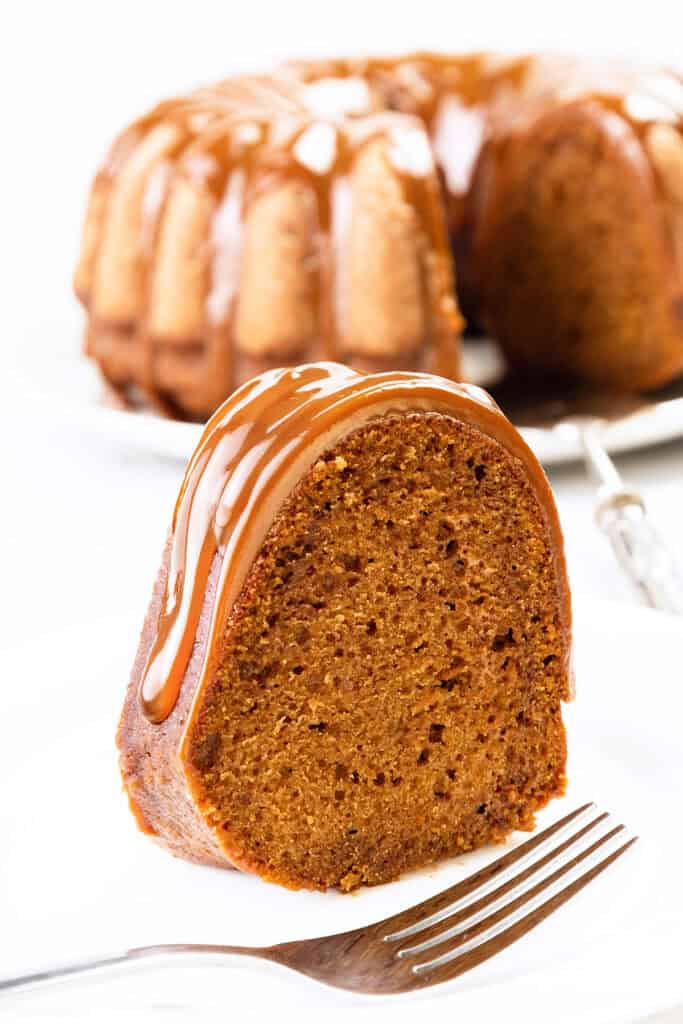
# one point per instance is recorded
(390, 687)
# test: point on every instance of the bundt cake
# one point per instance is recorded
(239, 229)
(359, 640)
(314, 213)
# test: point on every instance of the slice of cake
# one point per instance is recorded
(359, 641)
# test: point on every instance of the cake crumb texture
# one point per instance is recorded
(388, 689)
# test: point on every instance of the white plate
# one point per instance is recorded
(72, 388)
(77, 878)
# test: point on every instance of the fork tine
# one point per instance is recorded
(510, 924)
(494, 909)
(461, 917)
(413, 919)
(361, 960)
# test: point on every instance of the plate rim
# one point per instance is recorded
(84, 402)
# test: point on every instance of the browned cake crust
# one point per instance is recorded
(386, 690)
(277, 218)
(571, 224)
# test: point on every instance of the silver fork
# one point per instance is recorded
(584, 417)
(621, 514)
(435, 941)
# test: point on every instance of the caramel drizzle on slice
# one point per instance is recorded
(252, 453)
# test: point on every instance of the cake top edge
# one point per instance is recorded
(253, 452)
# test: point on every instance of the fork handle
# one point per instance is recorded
(621, 515)
(128, 958)
(639, 549)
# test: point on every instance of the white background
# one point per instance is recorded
(83, 520)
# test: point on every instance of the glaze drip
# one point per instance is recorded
(252, 453)
(237, 140)
(174, 299)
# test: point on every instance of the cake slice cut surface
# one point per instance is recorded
(359, 641)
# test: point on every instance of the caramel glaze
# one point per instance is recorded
(308, 122)
(254, 155)
(246, 135)
(463, 100)
(252, 453)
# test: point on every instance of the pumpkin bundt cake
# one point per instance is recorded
(359, 641)
(243, 227)
(314, 213)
